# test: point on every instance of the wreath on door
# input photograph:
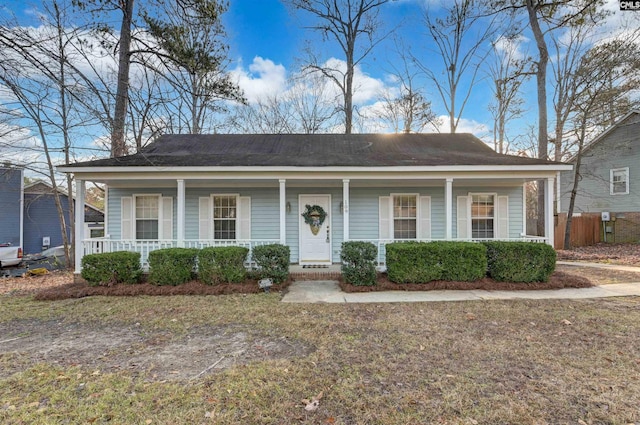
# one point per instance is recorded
(314, 216)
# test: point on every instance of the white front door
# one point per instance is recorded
(315, 238)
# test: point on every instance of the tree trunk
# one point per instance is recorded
(348, 89)
(69, 259)
(541, 81)
(118, 146)
(574, 188)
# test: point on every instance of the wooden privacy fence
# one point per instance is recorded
(585, 230)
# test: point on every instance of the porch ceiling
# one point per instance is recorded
(315, 182)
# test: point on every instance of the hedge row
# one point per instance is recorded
(419, 262)
(520, 261)
(111, 267)
(173, 266)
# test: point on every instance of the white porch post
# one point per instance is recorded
(345, 209)
(558, 189)
(283, 212)
(180, 220)
(548, 209)
(79, 231)
(448, 206)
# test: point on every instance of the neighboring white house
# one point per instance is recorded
(204, 190)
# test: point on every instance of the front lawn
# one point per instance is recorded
(250, 359)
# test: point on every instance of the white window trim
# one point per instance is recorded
(470, 211)
(213, 219)
(134, 219)
(611, 173)
(392, 217)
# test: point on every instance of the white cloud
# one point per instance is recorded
(511, 47)
(365, 88)
(465, 125)
(263, 78)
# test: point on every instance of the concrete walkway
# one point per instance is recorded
(328, 291)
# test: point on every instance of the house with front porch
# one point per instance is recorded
(311, 192)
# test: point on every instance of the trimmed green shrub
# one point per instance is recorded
(111, 267)
(421, 262)
(272, 261)
(222, 264)
(172, 266)
(359, 263)
(462, 261)
(520, 261)
(412, 262)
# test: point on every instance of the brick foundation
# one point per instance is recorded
(626, 227)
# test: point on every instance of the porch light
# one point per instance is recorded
(288, 207)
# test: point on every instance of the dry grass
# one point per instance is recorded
(612, 253)
(489, 362)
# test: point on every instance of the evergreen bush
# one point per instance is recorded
(172, 266)
(272, 262)
(359, 263)
(111, 267)
(222, 264)
(520, 261)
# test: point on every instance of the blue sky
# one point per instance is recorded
(266, 45)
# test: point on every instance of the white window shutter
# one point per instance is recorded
(384, 223)
(204, 217)
(463, 217)
(244, 214)
(167, 217)
(503, 217)
(126, 217)
(425, 218)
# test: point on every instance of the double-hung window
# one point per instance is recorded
(225, 213)
(147, 216)
(483, 216)
(619, 181)
(405, 213)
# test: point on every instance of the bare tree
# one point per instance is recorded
(597, 98)
(543, 17)
(507, 73)
(123, 48)
(406, 110)
(461, 44)
(305, 107)
(345, 22)
(269, 115)
(45, 89)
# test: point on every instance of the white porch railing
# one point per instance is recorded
(382, 252)
(144, 247)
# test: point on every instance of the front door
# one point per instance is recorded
(315, 230)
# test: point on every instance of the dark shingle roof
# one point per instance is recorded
(315, 150)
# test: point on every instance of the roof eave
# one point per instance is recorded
(329, 169)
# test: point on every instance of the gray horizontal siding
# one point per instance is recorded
(363, 212)
(620, 148)
(10, 194)
(41, 220)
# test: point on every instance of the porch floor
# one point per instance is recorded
(328, 272)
